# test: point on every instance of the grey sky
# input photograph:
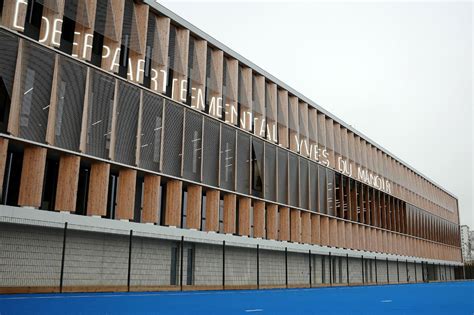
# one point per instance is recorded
(401, 73)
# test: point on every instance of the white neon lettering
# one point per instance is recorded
(17, 11)
(56, 31)
(46, 33)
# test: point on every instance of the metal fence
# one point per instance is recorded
(38, 256)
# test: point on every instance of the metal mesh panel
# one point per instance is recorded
(173, 139)
(272, 268)
(227, 157)
(36, 78)
(7, 71)
(30, 256)
(298, 269)
(282, 175)
(101, 100)
(313, 182)
(95, 259)
(152, 119)
(127, 121)
(211, 152)
(257, 167)
(304, 190)
(151, 262)
(192, 146)
(243, 162)
(270, 172)
(70, 103)
(293, 180)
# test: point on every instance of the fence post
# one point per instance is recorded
(181, 263)
(223, 265)
(388, 275)
(363, 271)
(376, 271)
(398, 272)
(416, 277)
(330, 269)
(445, 273)
(258, 266)
(286, 267)
(422, 272)
(347, 268)
(406, 265)
(129, 259)
(62, 259)
(310, 280)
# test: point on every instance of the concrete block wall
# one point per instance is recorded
(30, 256)
(392, 271)
(208, 264)
(355, 270)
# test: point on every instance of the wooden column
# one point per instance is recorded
(68, 179)
(3, 162)
(151, 199)
(315, 229)
(258, 219)
(284, 224)
(306, 227)
(212, 210)
(348, 234)
(14, 14)
(174, 199)
(244, 216)
(272, 221)
(98, 188)
(230, 213)
(127, 183)
(333, 236)
(193, 207)
(32, 175)
(325, 231)
(355, 236)
(295, 228)
(341, 234)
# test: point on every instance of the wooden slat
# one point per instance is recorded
(151, 199)
(212, 210)
(244, 216)
(214, 86)
(50, 30)
(258, 219)
(193, 207)
(198, 75)
(127, 182)
(174, 199)
(3, 162)
(272, 222)
(282, 107)
(68, 179)
(111, 60)
(324, 230)
(98, 188)
(341, 234)
(315, 229)
(51, 126)
(230, 213)
(306, 227)
(284, 224)
(333, 233)
(84, 29)
(15, 104)
(231, 95)
(245, 98)
(14, 14)
(32, 175)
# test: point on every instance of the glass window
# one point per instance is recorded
(151, 131)
(193, 146)
(69, 103)
(304, 190)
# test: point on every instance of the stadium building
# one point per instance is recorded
(139, 153)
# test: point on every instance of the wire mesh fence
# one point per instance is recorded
(39, 256)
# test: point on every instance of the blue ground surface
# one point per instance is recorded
(435, 298)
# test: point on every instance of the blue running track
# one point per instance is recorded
(435, 298)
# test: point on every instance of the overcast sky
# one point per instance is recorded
(401, 73)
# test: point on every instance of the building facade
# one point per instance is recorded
(466, 243)
(123, 124)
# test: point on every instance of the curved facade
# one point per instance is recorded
(122, 110)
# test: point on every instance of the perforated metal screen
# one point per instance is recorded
(173, 138)
(293, 180)
(303, 188)
(270, 172)
(193, 146)
(151, 131)
(69, 103)
(313, 184)
(282, 175)
(7, 72)
(243, 162)
(227, 157)
(211, 152)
